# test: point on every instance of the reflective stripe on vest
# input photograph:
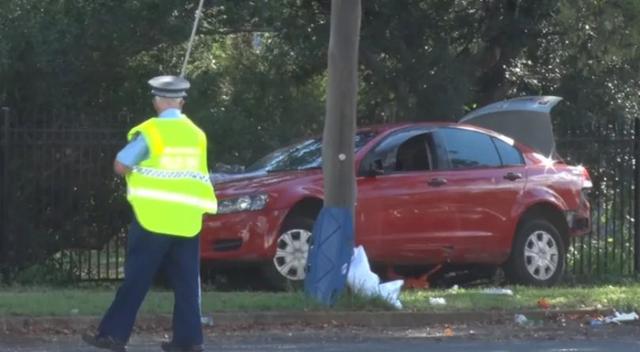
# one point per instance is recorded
(171, 174)
(172, 197)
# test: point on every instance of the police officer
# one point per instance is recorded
(168, 187)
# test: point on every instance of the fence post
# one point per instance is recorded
(4, 193)
(636, 195)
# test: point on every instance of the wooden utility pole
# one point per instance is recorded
(333, 233)
(4, 195)
(342, 93)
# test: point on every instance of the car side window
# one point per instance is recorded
(413, 155)
(469, 149)
(509, 155)
(404, 151)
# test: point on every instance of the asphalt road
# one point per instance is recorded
(268, 343)
(559, 336)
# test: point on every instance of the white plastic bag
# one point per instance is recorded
(437, 301)
(618, 318)
(498, 291)
(365, 282)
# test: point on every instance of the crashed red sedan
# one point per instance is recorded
(489, 191)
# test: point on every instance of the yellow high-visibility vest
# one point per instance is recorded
(171, 189)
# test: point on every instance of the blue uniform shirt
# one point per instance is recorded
(137, 150)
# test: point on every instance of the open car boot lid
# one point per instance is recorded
(525, 119)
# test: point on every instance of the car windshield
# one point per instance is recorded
(301, 156)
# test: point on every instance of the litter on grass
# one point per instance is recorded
(497, 291)
(437, 301)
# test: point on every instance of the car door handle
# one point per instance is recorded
(437, 181)
(512, 176)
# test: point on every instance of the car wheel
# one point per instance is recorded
(287, 269)
(538, 255)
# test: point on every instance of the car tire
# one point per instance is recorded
(286, 271)
(538, 255)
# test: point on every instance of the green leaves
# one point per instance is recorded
(259, 66)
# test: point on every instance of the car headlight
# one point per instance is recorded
(244, 203)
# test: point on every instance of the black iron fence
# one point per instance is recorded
(61, 204)
(610, 151)
(63, 209)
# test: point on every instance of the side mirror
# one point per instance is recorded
(375, 169)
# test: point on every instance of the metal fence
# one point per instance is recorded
(62, 206)
(610, 151)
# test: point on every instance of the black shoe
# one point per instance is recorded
(171, 347)
(104, 342)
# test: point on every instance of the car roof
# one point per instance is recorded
(390, 127)
(380, 128)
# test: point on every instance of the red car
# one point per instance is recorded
(428, 194)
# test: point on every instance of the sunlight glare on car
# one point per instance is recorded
(547, 162)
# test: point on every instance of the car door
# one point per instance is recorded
(485, 175)
(401, 217)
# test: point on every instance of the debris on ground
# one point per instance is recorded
(420, 282)
(596, 322)
(498, 291)
(206, 321)
(437, 301)
(618, 318)
(615, 318)
(416, 283)
(544, 303)
(522, 320)
(570, 326)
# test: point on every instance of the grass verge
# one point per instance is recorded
(45, 301)
(620, 297)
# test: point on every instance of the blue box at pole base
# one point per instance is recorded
(329, 255)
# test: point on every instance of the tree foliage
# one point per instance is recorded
(258, 74)
(259, 66)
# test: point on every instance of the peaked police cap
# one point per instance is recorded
(169, 86)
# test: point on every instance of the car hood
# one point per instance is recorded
(256, 181)
(221, 177)
(525, 119)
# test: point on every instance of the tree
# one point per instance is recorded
(419, 60)
(259, 69)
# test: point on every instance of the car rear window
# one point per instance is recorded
(469, 149)
(508, 154)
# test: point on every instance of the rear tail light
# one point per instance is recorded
(587, 185)
(586, 179)
(582, 174)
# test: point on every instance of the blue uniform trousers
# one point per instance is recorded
(146, 253)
